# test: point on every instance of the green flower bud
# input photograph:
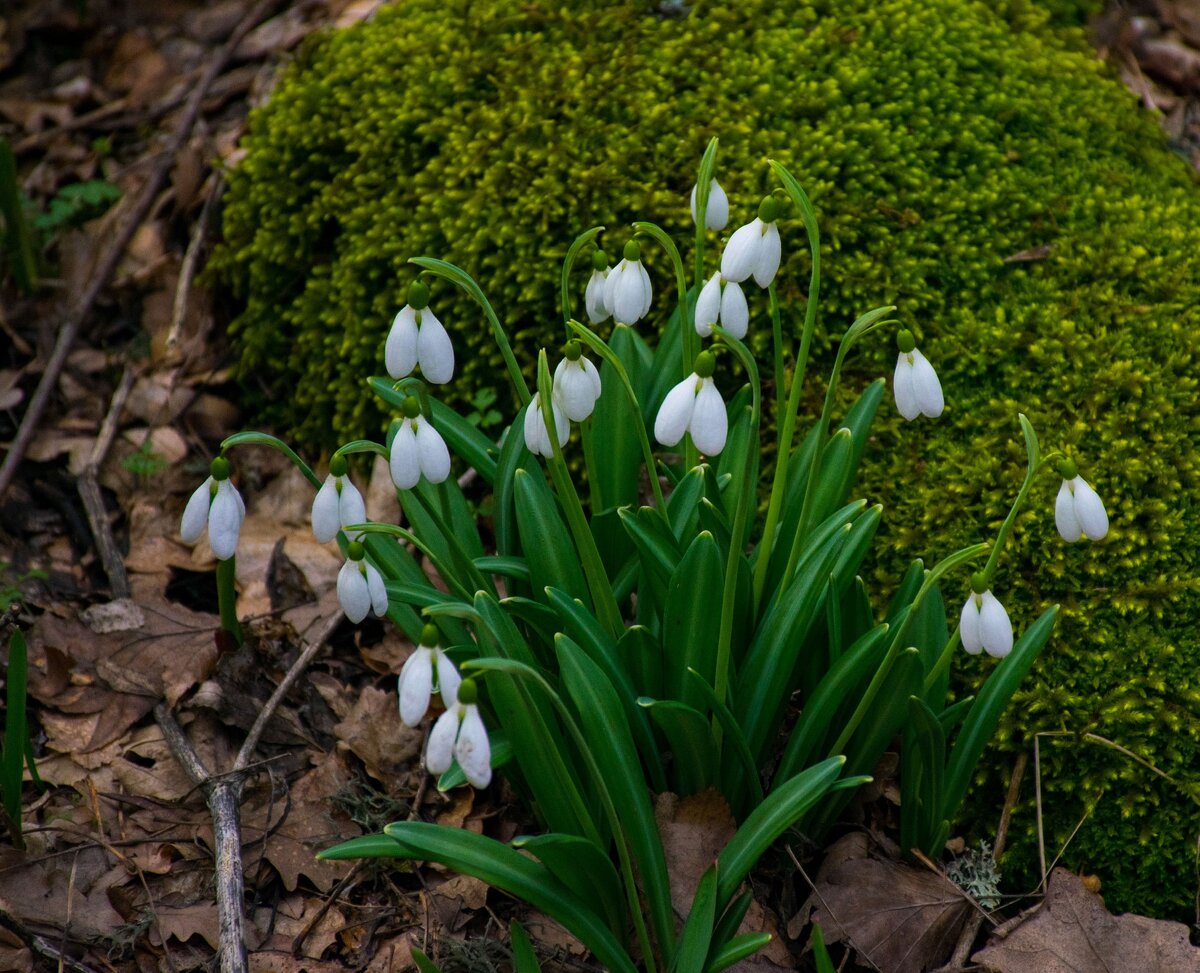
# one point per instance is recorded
(706, 364)
(411, 408)
(905, 341)
(1067, 468)
(355, 551)
(633, 250)
(572, 350)
(979, 583)
(600, 260)
(418, 295)
(219, 468)
(768, 210)
(468, 693)
(338, 465)
(430, 636)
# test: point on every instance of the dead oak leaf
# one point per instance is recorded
(1072, 932)
(897, 918)
(372, 731)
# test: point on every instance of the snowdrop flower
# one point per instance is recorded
(716, 214)
(754, 249)
(722, 301)
(537, 439)
(418, 338)
(595, 297)
(694, 406)
(360, 587)
(337, 504)
(576, 384)
(915, 383)
(459, 733)
(984, 624)
(1078, 511)
(416, 682)
(417, 450)
(217, 505)
(627, 291)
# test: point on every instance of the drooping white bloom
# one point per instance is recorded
(754, 249)
(418, 450)
(694, 406)
(459, 733)
(336, 505)
(627, 291)
(984, 625)
(1079, 511)
(360, 587)
(537, 439)
(576, 387)
(417, 337)
(722, 302)
(217, 506)
(915, 383)
(416, 683)
(716, 216)
(595, 297)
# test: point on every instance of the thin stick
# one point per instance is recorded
(246, 754)
(93, 501)
(1037, 793)
(342, 885)
(107, 265)
(187, 271)
(42, 946)
(864, 953)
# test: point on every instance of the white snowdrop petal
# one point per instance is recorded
(675, 413)
(353, 594)
(573, 391)
(717, 216)
(562, 425)
(1069, 528)
(968, 627)
(902, 388)
(325, 523)
(926, 387)
(740, 256)
(647, 289)
(241, 504)
(224, 521)
(710, 422)
(995, 630)
(535, 429)
(351, 508)
(448, 678)
(195, 514)
(440, 750)
(473, 750)
(767, 264)
(415, 686)
(594, 297)
(377, 591)
(434, 350)
(405, 459)
(400, 350)
(594, 377)
(1089, 510)
(708, 306)
(626, 298)
(735, 313)
(692, 200)
(432, 453)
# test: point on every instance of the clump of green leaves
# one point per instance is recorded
(75, 204)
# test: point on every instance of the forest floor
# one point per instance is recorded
(115, 387)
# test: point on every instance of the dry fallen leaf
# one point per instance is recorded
(373, 733)
(1072, 932)
(898, 918)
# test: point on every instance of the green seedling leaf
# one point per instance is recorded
(692, 620)
(614, 482)
(922, 772)
(736, 950)
(515, 568)
(18, 237)
(695, 757)
(820, 953)
(580, 865)
(553, 560)
(524, 960)
(424, 963)
(513, 456)
(695, 939)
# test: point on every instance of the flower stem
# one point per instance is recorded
(227, 598)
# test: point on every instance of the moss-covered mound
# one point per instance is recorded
(968, 166)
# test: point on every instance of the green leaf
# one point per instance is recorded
(922, 772)
(571, 859)
(984, 717)
(657, 547)
(553, 560)
(692, 620)
(782, 808)
(736, 950)
(695, 760)
(641, 655)
(515, 568)
(513, 456)
(681, 505)
(581, 241)
(424, 963)
(733, 733)
(263, 439)
(1033, 452)
(524, 959)
(476, 450)
(18, 236)
(695, 939)
(731, 920)
(820, 953)
(502, 753)
(615, 481)
(833, 478)
(519, 876)
(368, 846)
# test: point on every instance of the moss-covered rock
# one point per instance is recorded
(987, 177)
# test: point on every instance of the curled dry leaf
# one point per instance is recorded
(1072, 932)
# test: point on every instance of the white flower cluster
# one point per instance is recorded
(575, 388)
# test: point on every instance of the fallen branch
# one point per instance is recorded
(107, 265)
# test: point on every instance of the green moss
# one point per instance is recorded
(940, 139)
